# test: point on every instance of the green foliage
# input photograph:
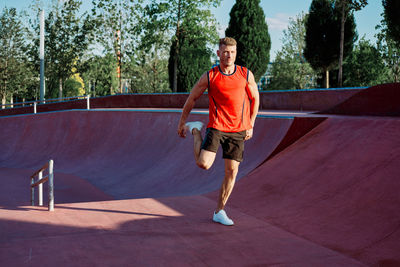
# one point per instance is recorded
(392, 18)
(323, 36)
(194, 28)
(194, 59)
(167, 16)
(149, 72)
(15, 70)
(349, 5)
(345, 7)
(111, 16)
(290, 70)
(74, 86)
(162, 42)
(66, 41)
(390, 52)
(365, 66)
(247, 25)
(100, 76)
(321, 49)
(147, 68)
(117, 24)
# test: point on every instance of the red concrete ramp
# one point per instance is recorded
(338, 187)
(127, 154)
(379, 100)
(326, 196)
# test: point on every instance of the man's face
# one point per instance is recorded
(227, 55)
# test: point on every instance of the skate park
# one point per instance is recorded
(318, 187)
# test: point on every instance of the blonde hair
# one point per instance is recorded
(227, 41)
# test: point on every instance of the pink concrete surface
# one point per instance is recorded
(125, 154)
(312, 191)
(151, 232)
(338, 187)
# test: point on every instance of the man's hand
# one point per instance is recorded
(182, 129)
(249, 134)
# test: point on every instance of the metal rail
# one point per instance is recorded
(38, 102)
(39, 183)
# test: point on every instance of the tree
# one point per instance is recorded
(66, 42)
(346, 6)
(99, 75)
(323, 34)
(117, 24)
(247, 25)
(290, 70)
(389, 50)
(194, 59)
(171, 16)
(149, 72)
(392, 18)
(74, 85)
(148, 66)
(15, 70)
(365, 66)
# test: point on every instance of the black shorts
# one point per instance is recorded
(232, 143)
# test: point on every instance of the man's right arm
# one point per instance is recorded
(197, 90)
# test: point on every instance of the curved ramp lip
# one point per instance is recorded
(299, 128)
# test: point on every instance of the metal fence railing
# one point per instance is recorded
(35, 103)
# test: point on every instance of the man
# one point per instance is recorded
(233, 106)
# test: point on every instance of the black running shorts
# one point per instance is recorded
(232, 143)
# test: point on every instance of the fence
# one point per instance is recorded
(35, 103)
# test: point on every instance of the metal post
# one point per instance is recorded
(88, 101)
(51, 185)
(32, 192)
(41, 56)
(40, 189)
(35, 107)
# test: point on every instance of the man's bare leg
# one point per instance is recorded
(231, 170)
(198, 140)
(204, 158)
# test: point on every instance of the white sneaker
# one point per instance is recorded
(194, 125)
(222, 218)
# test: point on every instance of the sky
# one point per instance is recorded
(277, 13)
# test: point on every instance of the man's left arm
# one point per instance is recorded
(254, 96)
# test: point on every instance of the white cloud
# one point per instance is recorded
(279, 22)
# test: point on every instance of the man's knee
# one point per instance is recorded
(206, 159)
(231, 168)
(231, 172)
(203, 164)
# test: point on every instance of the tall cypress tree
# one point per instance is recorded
(392, 18)
(247, 25)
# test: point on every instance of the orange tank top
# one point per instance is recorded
(229, 104)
